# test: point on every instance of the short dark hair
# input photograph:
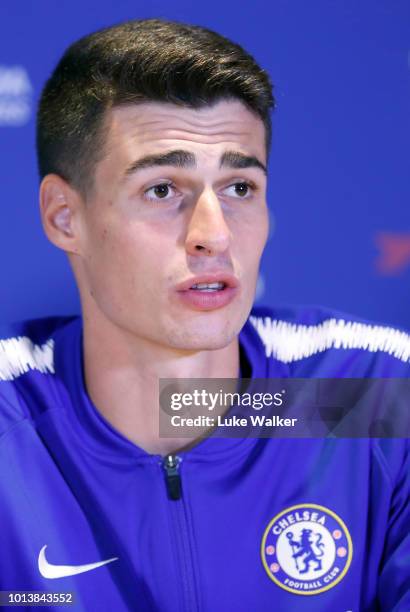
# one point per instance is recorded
(137, 61)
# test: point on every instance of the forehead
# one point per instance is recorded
(152, 127)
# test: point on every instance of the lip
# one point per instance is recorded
(205, 301)
(230, 281)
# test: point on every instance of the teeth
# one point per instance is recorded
(208, 286)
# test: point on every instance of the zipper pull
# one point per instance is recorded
(173, 478)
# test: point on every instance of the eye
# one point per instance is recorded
(241, 189)
(162, 191)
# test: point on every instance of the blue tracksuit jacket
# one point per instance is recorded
(260, 524)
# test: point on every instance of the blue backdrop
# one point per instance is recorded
(339, 169)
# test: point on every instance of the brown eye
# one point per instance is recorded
(161, 191)
(241, 189)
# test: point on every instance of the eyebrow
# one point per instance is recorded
(235, 159)
(176, 158)
(179, 158)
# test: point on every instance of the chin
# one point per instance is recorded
(211, 343)
(205, 335)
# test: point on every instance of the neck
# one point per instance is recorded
(122, 374)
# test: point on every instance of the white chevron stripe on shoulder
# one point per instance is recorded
(290, 342)
(19, 355)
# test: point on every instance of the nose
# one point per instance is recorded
(207, 233)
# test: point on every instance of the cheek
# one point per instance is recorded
(251, 239)
(113, 259)
(264, 225)
(126, 262)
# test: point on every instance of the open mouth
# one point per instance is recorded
(208, 287)
(208, 293)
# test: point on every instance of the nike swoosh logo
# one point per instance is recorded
(48, 570)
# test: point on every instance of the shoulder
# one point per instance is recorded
(316, 341)
(26, 360)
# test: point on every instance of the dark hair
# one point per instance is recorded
(139, 60)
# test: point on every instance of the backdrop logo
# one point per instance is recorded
(394, 255)
(15, 95)
(306, 549)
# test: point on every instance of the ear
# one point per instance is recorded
(61, 207)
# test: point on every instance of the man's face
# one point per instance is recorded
(153, 223)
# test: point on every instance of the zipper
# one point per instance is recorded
(172, 476)
(181, 533)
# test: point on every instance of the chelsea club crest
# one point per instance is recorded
(306, 549)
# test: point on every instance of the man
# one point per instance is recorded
(152, 146)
